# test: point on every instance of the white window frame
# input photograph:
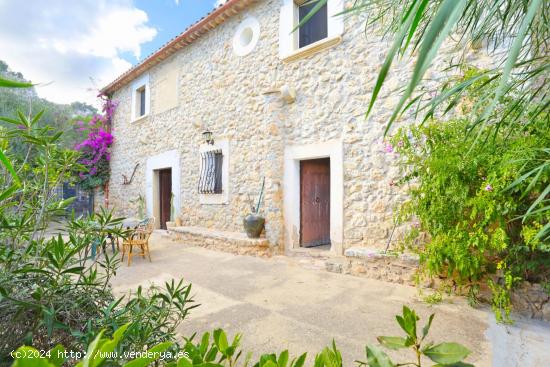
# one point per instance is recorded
(223, 197)
(142, 82)
(289, 19)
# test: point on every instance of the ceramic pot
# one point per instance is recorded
(253, 225)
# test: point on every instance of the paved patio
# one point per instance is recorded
(278, 304)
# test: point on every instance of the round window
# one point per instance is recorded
(247, 36)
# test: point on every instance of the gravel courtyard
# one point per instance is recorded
(278, 304)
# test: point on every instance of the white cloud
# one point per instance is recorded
(219, 2)
(68, 43)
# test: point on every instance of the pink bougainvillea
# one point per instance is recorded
(95, 148)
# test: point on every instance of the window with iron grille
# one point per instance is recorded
(210, 177)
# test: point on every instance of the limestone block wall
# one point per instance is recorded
(225, 93)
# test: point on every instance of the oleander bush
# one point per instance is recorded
(52, 290)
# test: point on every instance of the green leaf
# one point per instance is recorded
(211, 355)
(446, 353)
(439, 28)
(377, 358)
(91, 352)
(6, 83)
(416, 21)
(543, 231)
(184, 362)
(6, 162)
(283, 359)
(73, 270)
(152, 354)
(57, 355)
(543, 195)
(408, 323)
(8, 192)
(513, 54)
(426, 328)
(300, 361)
(220, 339)
(393, 342)
(11, 121)
(264, 358)
(269, 363)
(37, 117)
(65, 203)
(204, 343)
(382, 74)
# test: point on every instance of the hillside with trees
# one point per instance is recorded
(61, 117)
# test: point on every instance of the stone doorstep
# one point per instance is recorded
(309, 253)
(237, 238)
(374, 263)
(370, 253)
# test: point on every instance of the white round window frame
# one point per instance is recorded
(246, 37)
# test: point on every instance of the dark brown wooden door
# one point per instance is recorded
(315, 202)
(165, 194)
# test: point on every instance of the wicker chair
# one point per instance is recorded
(140, 238)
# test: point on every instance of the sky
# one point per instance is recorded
(72, 48)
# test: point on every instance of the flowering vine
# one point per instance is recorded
(95, 148)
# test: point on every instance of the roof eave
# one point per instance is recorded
(193, 32)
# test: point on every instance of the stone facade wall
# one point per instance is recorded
(226, 94)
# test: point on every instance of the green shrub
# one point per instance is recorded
(51, 290)
(470, 198)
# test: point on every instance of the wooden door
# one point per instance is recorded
(315, 202)
(165, 195)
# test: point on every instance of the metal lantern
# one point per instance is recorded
(207, 135)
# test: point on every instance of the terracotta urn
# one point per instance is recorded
(253, 225)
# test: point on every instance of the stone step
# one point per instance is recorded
(234, 242)
(312, 258)
(309, 253)
(371, 254)
(377, 264)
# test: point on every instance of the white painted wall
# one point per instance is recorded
(291, 190)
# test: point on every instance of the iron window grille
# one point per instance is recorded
(210, 177)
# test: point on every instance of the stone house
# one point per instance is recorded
(287, 106)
